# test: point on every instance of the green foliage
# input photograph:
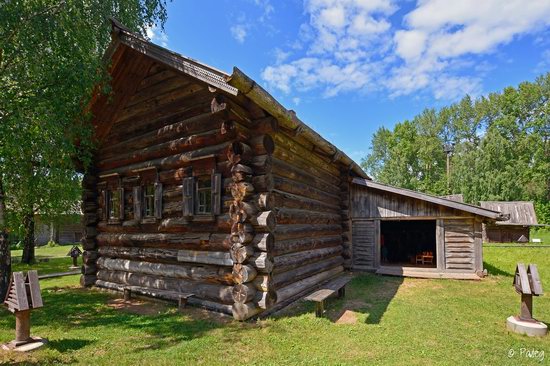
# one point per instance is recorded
(501, 148)
(50, 61)
(52, 244)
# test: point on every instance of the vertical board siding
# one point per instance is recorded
(363, 239)
(459, 245)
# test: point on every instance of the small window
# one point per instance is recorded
(114, 204)
(203, 196)
(149, 200)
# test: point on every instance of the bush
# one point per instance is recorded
(52, 244)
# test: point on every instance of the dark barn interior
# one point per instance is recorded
(408, 243)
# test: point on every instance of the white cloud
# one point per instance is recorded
(157, 36)
(239, 32)
(350, 45)
(296, 100)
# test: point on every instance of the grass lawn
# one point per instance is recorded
(57, 260)
(392, 321)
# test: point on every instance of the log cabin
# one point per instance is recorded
(521, 217)
(203, 184)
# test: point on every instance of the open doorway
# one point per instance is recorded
(408, 243)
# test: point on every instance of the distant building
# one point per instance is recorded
(67, 229)
(522, 217)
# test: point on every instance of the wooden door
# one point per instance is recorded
(363, 242)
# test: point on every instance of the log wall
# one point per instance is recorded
(311, 195)
(170, 129)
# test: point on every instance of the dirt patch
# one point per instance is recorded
(347, 317)
(138, 307)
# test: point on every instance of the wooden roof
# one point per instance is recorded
(476, 210)
(520, 212)
(233, 84)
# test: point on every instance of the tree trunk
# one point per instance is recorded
(5, 255)
(28, 249)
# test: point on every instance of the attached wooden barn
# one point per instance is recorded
(402, 232)
(516, 228)
(205, 184)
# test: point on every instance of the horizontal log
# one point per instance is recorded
(265, 299)
(263, 262)
(243, 311)
(295, 216)
(264, 221)
(239, 152)
(262, 145)
(205, 257)
(261, 164)
(166, 295)
(284, 262)
(173, 146)
(286, 170)
(285, 278)
(213, 274)
(185, 240)
(263, 183)
(214, 292)
(173, 161)
(263, 282)
(284, 232)
(240, 253)
(296, 245)
(292, 201)
(304, 190)
(243, 292)
(145, 254)
(243, 273)
(264, 242)
(300, 286)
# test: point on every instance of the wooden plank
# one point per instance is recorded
(536, 284)
(440, 244)
(205, 257)
(20, 291)
(320, 295)
(524, 279)
(34, 285)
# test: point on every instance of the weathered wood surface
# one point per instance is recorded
(213, 274)
(371, 203)
(166, 295)
(363, 241)
(213, 292)
(306, 283)
(459, 244)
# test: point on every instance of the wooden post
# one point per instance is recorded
(526, 307)
(127, 294)
(22, 327)
(377, 249)
(440, 245)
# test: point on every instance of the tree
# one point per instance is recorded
(50, 62)
(502, 148)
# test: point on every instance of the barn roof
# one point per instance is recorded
(520, 212)
(476, 210)
(234, 84)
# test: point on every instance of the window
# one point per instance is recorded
(149, 200)
(203, 196)
(114, 204)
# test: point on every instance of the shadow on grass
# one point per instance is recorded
(65, 345)
(69, 309)
(495, 271)
(367, 293)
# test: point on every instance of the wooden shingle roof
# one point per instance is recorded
(520, 212)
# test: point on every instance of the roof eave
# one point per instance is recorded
(262, 98)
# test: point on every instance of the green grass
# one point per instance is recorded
(57, 259)
(399, 322)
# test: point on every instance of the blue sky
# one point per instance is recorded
(348, 67)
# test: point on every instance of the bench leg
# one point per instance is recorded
(319, 309)
(182, 302)
(342, 292)
(127, 294)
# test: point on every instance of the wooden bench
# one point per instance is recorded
(335, 286)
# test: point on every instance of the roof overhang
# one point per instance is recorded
(476, 210)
